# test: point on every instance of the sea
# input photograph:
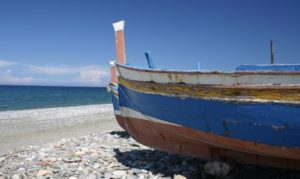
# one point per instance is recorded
(37, 97)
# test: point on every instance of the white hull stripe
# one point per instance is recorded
(127, 112)
(208, 78)
(117, 112)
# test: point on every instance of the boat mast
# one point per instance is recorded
(120, 49)
(120, 43)
(272, 52)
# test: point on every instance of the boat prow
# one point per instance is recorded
(250, 115)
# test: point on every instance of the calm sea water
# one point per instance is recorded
(32, 97)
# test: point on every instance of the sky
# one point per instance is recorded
(70, 42)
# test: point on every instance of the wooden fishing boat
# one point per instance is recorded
(250, 115)
(121, 59)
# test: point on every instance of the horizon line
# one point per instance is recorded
(52, 86)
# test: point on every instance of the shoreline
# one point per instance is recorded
(51, 107)
(39, 126)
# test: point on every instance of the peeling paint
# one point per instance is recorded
(226, 128)
(180, 147)
(270, 93)
(210, 78)
(162, 136)
(279, 127)
(208, 129)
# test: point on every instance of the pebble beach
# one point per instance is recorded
(86, 142)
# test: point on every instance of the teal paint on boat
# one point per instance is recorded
(277, 67)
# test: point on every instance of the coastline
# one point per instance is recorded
(38, 126)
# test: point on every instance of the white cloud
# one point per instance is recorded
(5, 63)
(83, 75)
(92, 74)
(7, 77)
(51, 70)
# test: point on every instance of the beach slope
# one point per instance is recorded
(39, 126)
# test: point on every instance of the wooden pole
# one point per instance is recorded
(120, 50)
(272, 52)
(120, 43)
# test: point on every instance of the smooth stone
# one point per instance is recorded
(82, 177)
(119, 173)
(80, 153)
(85, 171)
(97, 165)
(187, 173)
(73, 177)
(136, 171)
(185, 163)
(192, 168)
(80, 168)
(72, 159)
(146, 175)
(135, 163)
(16, 176)
(179, 177)
(217, 168)
(144, 171)
(2, 159)
(42, 172)
(107, 175)
(131, 177)
(153, 177)
(112, 165)
(57, 145)
(55, 170)
(53, 159)
(92, 176)
(149, 165)
(176, 169)
(21, 169)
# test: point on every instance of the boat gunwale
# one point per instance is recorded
(195, 72)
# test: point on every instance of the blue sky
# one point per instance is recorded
(70, 42)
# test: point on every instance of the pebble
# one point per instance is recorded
(97, 165)
(42, 172)
(114, 154)
(16, 176)
(119, 173)
(73, 178)
(136, 171)
(217, 168)
(92, 176)
(179, 177)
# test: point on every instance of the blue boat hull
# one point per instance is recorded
(265, 123)
(116, 106)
